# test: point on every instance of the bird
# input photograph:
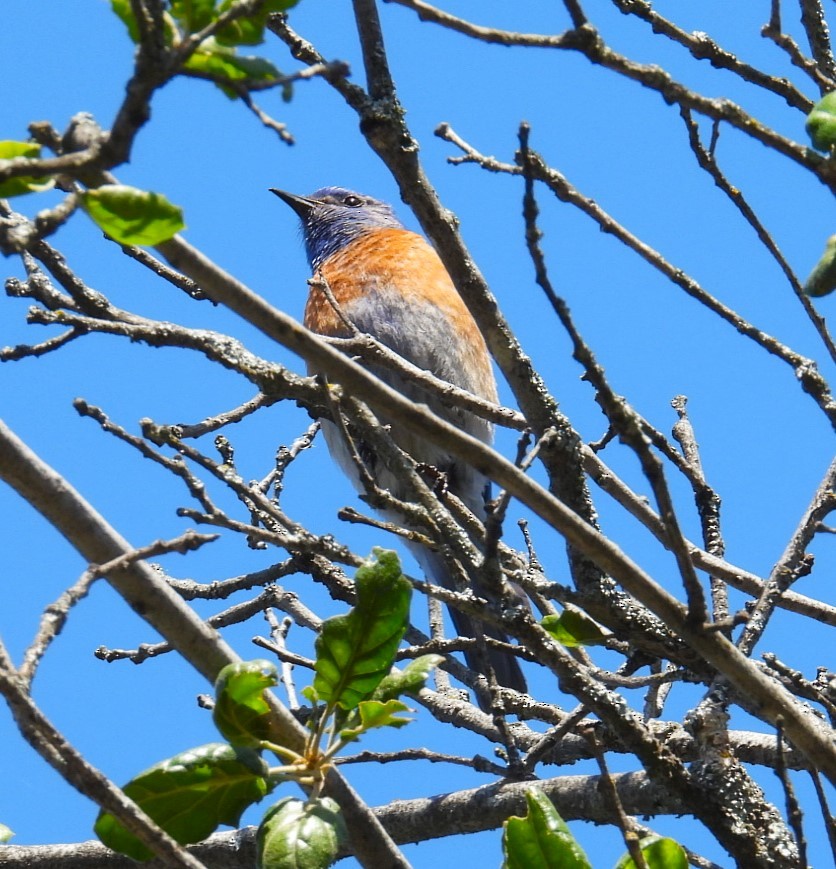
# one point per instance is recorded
(388, 282)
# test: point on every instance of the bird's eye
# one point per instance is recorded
(352, 201)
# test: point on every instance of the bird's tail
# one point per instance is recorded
(506, 667)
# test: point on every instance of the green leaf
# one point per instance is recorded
(355, 651)
(573, 628)
(822, 280)
(659, 853)
(372, 714)
(241, 713)
(309, 694)
(407, 681)
(219, 62)
(540, 840)
(6, 834)
(193, 15)
(123, 9)
(132, 216)
(190, 795)
(249, 30)
(22, 183)
(299, 835)
(821, 122)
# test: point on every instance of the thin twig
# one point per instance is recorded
(827, 816)
(707, 161)
(793, 563)
(625, 823)
(24, 351)
(703, 47)
(804, 369)
(795, 816)
(588, 42)
(552, 737)
(708, 505)
(621, 416)
(818, 36)
(734, 576)
(476, 763)
(142, 256)
(772, 30)
(56, 614)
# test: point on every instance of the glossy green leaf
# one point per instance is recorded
(222, 64)
(22, 183)
(241, 713)
(193, 15)
(821, 122)
(370, 714)
(540, 840)
(355, 651)
(573, 628)
(822, 280)
(123, 9)
(658, 853)
(190, 795)
(300, 835)
(249, 30)
(407, 681)
(6, 834)
(132, 216)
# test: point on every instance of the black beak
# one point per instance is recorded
(300, 204)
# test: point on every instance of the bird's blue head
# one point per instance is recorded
(332, 217)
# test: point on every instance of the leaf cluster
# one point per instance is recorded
(223, 32)
(355, 690)
(208, 34)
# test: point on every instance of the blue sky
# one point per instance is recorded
(764, 443)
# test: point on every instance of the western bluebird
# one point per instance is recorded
(390, 283)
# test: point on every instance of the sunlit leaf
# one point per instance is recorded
(540, 840)
(370, 714)
(822, 280)
(6, 834)
(573, 628)
(821, 122)
(407, 681)
(310, 694)
(241, 713)
(132, 216)
(658, 853)
(190, 795)
(22, 183)
(300, 835)
(126, 14)
(222, 64)
(355, 651)
(249, 30)
(193, 15)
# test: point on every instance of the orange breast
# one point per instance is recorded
(398, 265)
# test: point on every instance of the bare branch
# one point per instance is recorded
(588, 41)
(67, 761)
(805, 369)
(61, 505)
(55, 615)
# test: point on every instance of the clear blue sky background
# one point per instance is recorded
(764, 444)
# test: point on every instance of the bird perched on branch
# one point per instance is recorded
(388, 282)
